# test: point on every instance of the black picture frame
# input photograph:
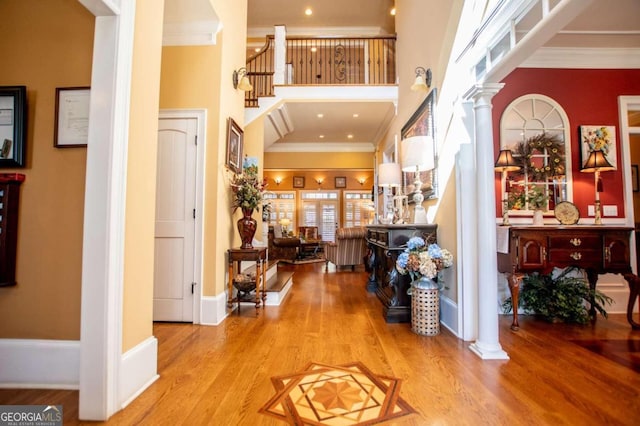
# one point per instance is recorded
(635, 178)
(235, 139)
(422, 123)
(71, 129)
(341, 181)
(13, 126)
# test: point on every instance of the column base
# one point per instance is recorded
(488, 353)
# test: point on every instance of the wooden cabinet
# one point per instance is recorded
(9, 202)
(385, 243)
(596, 249)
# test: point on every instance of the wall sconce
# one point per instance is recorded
(277, 180)
(361, 181)
(241, 81)
(505, 163)
(418, 155)
(595, 164)
(423, 80)
(319, 181)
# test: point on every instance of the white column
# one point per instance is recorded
(487, 346)
(279, 54)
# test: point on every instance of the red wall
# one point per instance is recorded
(589, 97)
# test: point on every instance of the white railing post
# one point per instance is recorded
(279, 54)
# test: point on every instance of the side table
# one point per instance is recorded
(235, 258)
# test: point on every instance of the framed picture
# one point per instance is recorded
(71, 127)
(601, 138)
(341, 182)
(234, 146)
(13, 125)
(635, 179)
(298, 181)
(422, 123)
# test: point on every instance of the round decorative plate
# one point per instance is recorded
(567, 213)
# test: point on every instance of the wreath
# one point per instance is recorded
(550, 145)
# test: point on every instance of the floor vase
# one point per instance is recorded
(247, 228)
(425, 307)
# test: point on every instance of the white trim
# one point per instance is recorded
(138, 370)
(214, 309)
(449, 314)
(201, 33)
(589, 58)
(275, 298)
(259, 32)
(39, 364)
(104, 215)
(200, 115)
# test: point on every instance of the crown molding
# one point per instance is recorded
(598, 58)
(201, 33)
(336, 32)
(321, 147)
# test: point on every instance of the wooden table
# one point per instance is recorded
(235, 258)
(597, 249)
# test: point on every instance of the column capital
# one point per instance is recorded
(480, 93)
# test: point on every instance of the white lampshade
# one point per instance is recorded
(389, 174)
(419, 85)
(417, 154)
(245, 84)
(285, 222)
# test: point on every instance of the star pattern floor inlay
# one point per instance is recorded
(336, 395)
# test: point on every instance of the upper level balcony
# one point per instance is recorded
(318, 61)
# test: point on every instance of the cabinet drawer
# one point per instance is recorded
(569, 242)
(579, 257)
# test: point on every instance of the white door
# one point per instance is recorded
(175, 220)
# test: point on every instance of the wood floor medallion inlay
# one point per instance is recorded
(336, 395)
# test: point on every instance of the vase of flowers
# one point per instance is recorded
(424, 262)
(247, 191)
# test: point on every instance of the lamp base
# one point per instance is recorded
(420, 215)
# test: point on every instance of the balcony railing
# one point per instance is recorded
(323, 61)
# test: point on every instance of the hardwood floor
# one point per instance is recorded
(221, 375)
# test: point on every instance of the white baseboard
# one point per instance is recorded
(138, 370)
(213, 309)
(39, 364)
(449, 314)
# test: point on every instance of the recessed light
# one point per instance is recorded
(320, 115)
(350, 136)
(393, 11)
(257, 49)
(308, 11)
(356, 115)
(314, 49)
(321, 136)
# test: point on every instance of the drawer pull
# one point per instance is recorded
(576, 255)
(575, 242)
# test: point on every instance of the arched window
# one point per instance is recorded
(536, 129)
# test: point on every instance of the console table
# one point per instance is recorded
(597, 249)
(386, 242)
(257, 254)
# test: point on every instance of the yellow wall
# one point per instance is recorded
(137, 312)
(318, 160)
(45, 45)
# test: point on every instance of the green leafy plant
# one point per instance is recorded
(559, 298)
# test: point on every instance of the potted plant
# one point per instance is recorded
(559, 298)
(424, 263)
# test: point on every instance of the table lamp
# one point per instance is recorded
(285, 224)
(390, 176)
(595, 164)
(505, 163)
(418, 155)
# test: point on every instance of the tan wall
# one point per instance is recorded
(310, 176)
(137, 315)
(46, 44)
(417, 21)
(319, 160)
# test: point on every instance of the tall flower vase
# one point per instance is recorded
(425, 307)
(247, 228)
(538, 217)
